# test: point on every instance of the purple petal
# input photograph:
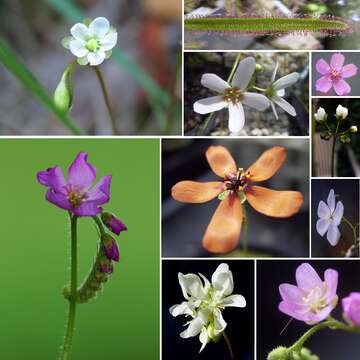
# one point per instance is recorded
(111, 250)
(291, 293)
(323, 84)
(113, 223)
(87, 209)
(341, 87)
(58, 199)
(331, 279)
(349, 70)
(322, 67)
(297, 311)
(81, 173)
(100, 193)
(351, 308)
(314, 318)
(307, 278)
(337, 61)
(52, 178)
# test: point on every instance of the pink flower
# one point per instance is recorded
(334, 75)
(312, 299)
(351, 308)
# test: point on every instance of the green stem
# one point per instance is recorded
(106, 99)
(333, 150)
(232, 357)
(73, 287)
(258, 88)
(99, 225)
(353, 228)
(245, 231)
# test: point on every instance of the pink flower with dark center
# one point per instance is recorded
(351, 308)
(312, 299)
(334, 75)
(76, 194)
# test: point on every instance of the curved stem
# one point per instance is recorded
(333, 150)
(353, 228)
(106, 99)
(232, 357)
(73, 287)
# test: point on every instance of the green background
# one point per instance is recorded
(123, 321)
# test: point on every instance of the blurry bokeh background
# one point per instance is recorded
(257, 123)
(183, 225)
(240, 321)
(35, 243)
(346, 191)
(346, 9)
(327, 344)
(143, 75)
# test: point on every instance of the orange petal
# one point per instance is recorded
(220, 161)
(223, 232)
(196, 192)
(267, 164)
(274, 203)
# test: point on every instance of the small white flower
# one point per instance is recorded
(276, 91)
(330, 218)
(320, 115)
(204, 303)
(91, 44)
(353, 129)
(342, 112)
(233, 95)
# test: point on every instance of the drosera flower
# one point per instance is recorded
(330, 215)
(204, 303)
(232, 95)
(333, 75)
(351, 308)
(276, 91)
(92, 41)
(113, 223)
(237, 186)
(311, 300)
(342, 112)
(320, 115)
(76, 194)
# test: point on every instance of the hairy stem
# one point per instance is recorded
(232, 357)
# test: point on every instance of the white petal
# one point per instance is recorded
(219, 323)
(280, 92)
(322, 226)
(206, 282)
(191, 285)
(210, 104)
(214, 82)
(185, 308)
(96, 58)
(99, 27)
(244, 73)
(286, 81)
(284, 105)
(274, 72)
(256, 101)
(274, 110)
(222, 279)
(333, 234)
(78, 49)
(109, 41)
(338, 213)
(193, 329)
(236, 118)
(323, 210)
(204, 338)
(234, 300)
(80, 32)
(331, 201)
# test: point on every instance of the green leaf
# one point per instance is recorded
(21, 72)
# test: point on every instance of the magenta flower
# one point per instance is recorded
(334, 75)
(76, 194)
(351, 308)
(113, 223)
(312, 299)
(110, 247)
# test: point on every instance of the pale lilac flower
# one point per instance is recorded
(76, 194)
(330, 218)
(276, 91)
(232, 96)
(311, 300)
(334, 75)
(351, 308)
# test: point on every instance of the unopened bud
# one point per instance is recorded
(64, 92)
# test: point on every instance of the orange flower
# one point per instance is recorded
(223, 231)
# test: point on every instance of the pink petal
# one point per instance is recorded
(314, 318)
(322, 67)
(323, 84)
(296, 311)
(81, 173)
(100, 193)
(58, 199)
(331, 280)
(290, 292)
(349, 70)
(307, 278)
(341, 87)
(337, 61)
(87, 209)
(52, 178)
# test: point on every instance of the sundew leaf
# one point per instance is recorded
(24, 75)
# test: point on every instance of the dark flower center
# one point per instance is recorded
(233, 95)
(75, 197)
(239, 182)
(334, 74)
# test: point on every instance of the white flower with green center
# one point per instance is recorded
(91, 42)
(276, 91)
(205, 302)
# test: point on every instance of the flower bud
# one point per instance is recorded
(280, 353)
(113, 223)
(326, 135)
(110, 247)
(342, 112)
(345, 139)
(351, 308)
(105, 265)
(320, 115)
(353, 129)
(64, 92)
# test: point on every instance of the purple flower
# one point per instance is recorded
(334, 75)
(76, 194)
(113, 223)
(110, 247)
(351, 308)
(312, 299)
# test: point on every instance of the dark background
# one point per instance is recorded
(240, 321)
(327, 344)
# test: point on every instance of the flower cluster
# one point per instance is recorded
(236, 93)
(205, 302)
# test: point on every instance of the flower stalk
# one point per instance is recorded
(228, 343)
